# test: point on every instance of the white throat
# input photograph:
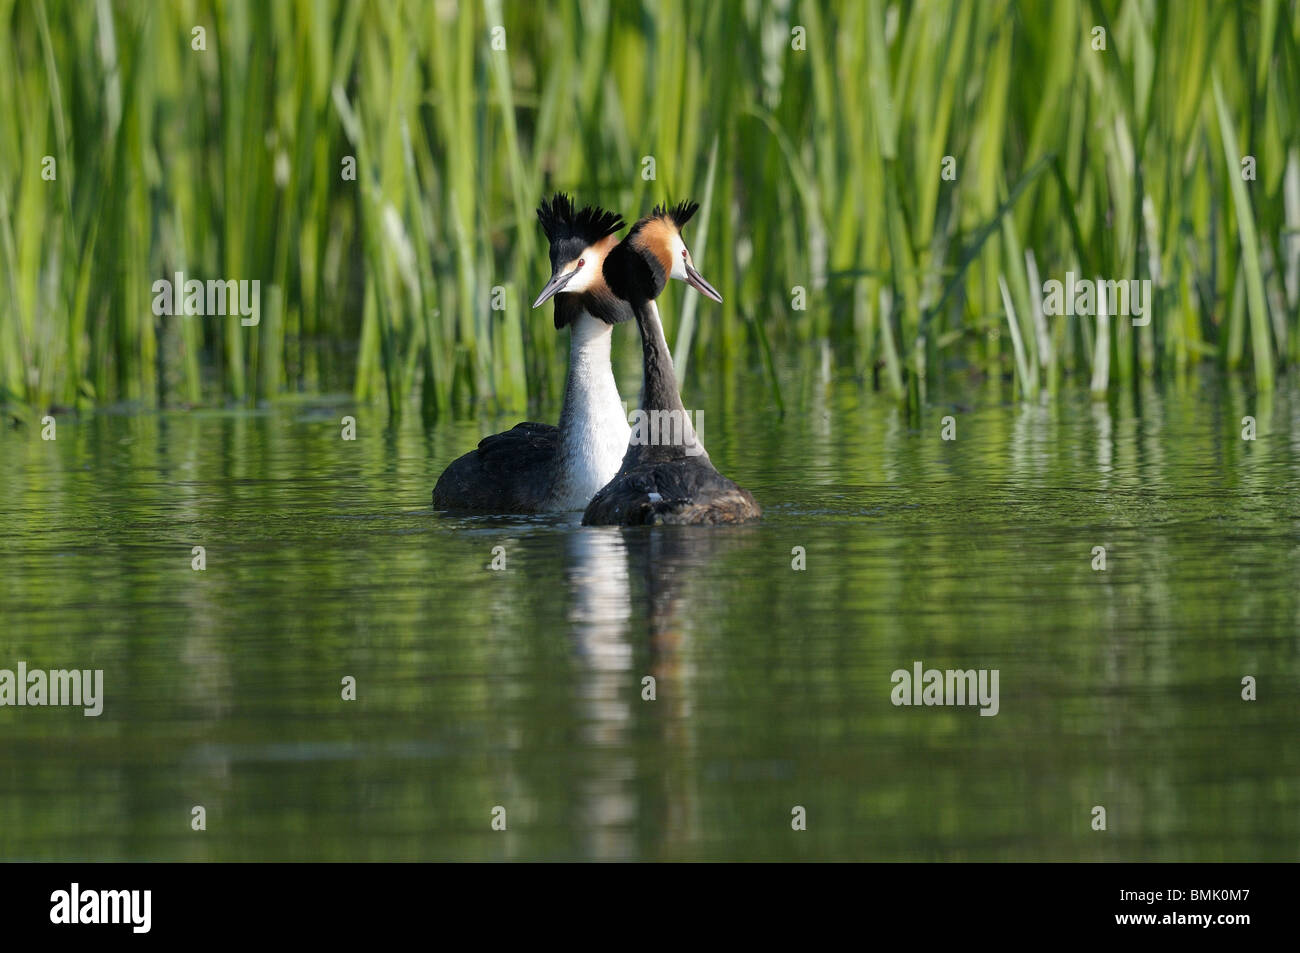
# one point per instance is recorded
(594, 430)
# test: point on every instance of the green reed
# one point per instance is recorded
(815, 133)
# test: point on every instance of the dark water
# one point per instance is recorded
(522, 688)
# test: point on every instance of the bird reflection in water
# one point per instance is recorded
(631, 593)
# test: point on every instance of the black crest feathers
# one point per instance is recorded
(562, 220)
(679, 214)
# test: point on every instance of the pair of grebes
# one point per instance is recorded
(594, 461)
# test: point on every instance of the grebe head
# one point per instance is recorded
(657, 239)
(580, 240)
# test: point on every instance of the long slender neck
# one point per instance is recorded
(593, 422)
(664, 430)
(659, 380)
(590, 381)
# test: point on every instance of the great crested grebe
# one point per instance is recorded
(534, 468)
(673, 481)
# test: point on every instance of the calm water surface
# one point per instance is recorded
(523, 688)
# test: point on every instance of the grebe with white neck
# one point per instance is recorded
(535, 467)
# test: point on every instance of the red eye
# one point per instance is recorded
(581, 262)
(683, 253)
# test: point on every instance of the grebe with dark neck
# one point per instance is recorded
(663, 482)
(534, 467)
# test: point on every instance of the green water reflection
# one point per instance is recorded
(523, 688)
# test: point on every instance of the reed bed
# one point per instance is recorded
(815, 134)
